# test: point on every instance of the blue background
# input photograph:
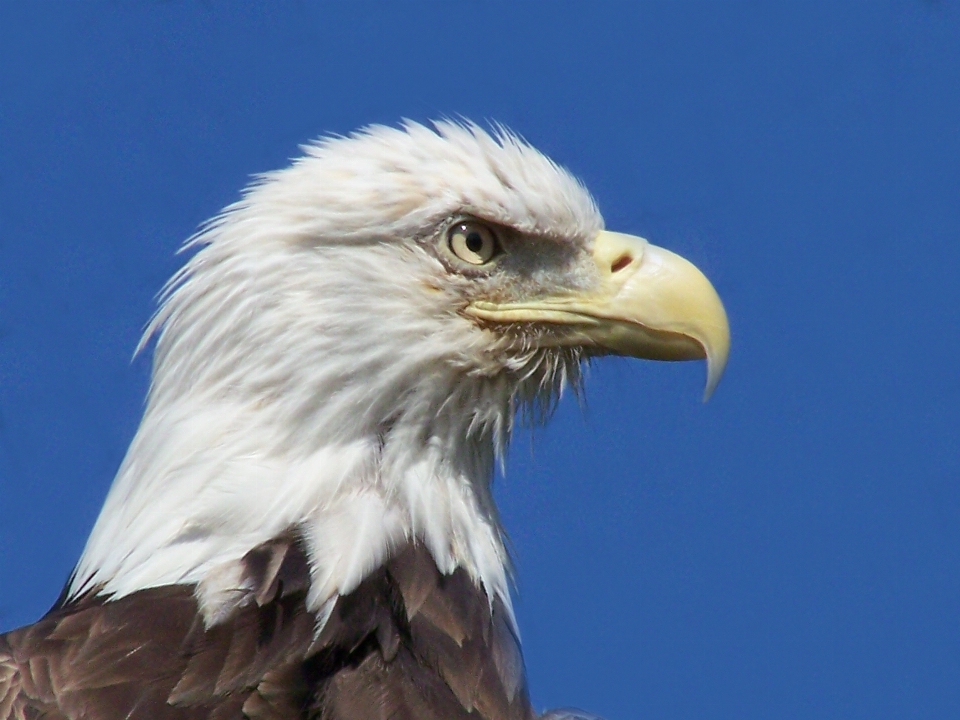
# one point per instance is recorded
(789, 550)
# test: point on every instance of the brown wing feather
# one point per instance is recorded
(408, 644)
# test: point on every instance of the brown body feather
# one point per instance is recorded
(408, 644)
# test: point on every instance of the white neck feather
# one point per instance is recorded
(349, 433)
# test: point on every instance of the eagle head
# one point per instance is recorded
(345, 352)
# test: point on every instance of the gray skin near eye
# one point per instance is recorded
(530, 267)
(504, 265)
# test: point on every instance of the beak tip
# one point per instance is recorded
(716, 364)
(711, 386)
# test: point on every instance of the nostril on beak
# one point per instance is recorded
(620, 263)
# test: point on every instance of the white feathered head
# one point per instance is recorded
(346, 350)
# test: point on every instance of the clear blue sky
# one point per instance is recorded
(789, 550)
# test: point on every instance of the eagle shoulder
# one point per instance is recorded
(409, 642)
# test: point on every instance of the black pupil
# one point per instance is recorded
(474, 242)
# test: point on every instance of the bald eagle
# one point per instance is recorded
(303, 525)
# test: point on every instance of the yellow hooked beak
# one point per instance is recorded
(651, 303)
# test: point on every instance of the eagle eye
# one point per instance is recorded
(473, 242)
